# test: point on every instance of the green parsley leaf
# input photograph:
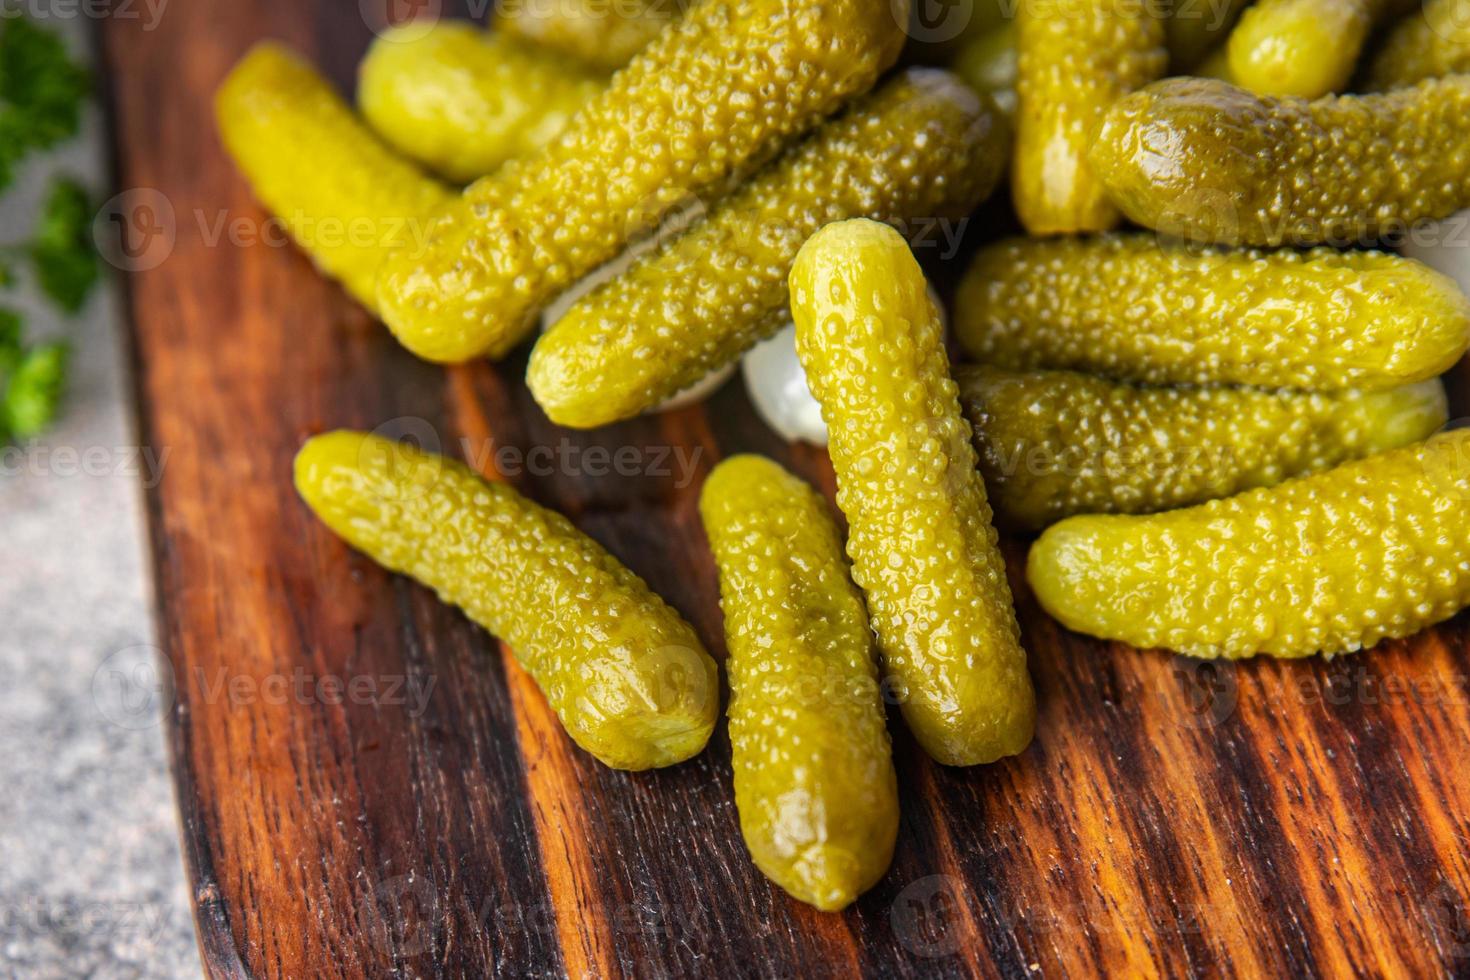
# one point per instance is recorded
(41, 91)
(62, 250)
(34, 392)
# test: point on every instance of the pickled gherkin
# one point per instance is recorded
(1302, 48)
(598, 33)
(922, 147)
(719, 90)
(462, 101)
(1194, 29)
(1076, 57)
(1205, 160)
(344, 197)
(814, 780)
(987, 63)
(625, 674)
(1057, 443)
(1334, 562)
(1125, 306)
(1428, 43)
(922, 546)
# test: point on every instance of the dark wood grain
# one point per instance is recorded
(1170, 819)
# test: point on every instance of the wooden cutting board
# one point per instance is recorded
(1171, 818)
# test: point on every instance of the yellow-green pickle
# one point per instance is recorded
(462, 100)
(814, 780)
(1126, 307)
(922, 147)
(1376, 548)
(625, 673)
(1057, 443)
(922, 546)
(720, 89)
(1302, 48)
(346, 199)
(1429, 43)
(1075, 58)
(604, 34)
(1208, 161)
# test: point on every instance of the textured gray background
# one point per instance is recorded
(91, 881)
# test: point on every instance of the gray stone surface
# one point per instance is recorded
(91, 880)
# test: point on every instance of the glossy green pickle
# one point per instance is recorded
(1428, 43)
(1302, 48)
(1208, 161)
(1075, 58)
(1058, 443)
(1126, 307)
(922, 546)
(624, 672)
(1376, 548)
(923, 146)
(722, 88)
(462, 101)
(814, 780)
(598, 33)
(346, 199)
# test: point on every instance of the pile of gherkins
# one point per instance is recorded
(1224, 420)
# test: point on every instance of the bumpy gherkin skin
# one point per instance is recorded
(922, 147)
(1332, 562)
(624, 673)
(1208, 161)
(600, 34)
(814, 780)
(1302, 48)
(1075, 58)
(462, 101)
(720, 89)
(920, 538)
(1432, 42)
(1125, 306)
(345, 198)
(1057, 443)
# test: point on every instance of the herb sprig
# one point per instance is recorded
(42, 92)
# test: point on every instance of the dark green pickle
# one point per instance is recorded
(1207, 161)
